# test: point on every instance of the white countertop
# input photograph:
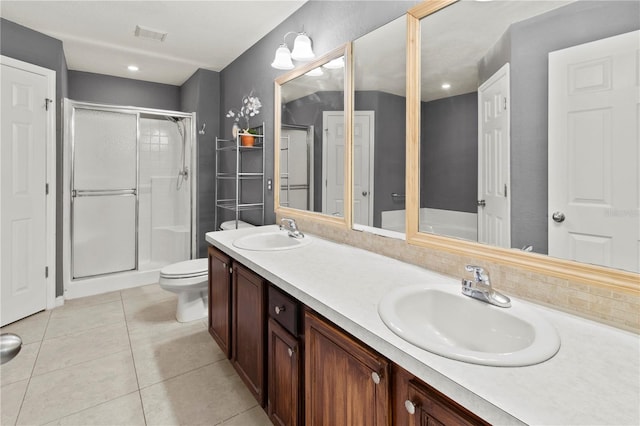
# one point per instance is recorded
(593, 379)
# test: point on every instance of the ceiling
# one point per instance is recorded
(98, 36)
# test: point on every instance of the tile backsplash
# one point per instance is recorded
(613, 306)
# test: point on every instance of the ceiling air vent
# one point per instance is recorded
(149, 33)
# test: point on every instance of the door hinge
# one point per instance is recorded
(47, 101)
(46, 272)
(505, 103)
(505, 190)
(46, 189)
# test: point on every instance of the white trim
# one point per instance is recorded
(50, 221)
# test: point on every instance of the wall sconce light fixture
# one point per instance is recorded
(302, 51)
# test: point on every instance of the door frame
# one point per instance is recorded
(50, 160)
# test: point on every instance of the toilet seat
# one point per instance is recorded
(187, 269)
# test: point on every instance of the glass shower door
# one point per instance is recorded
(104, 200)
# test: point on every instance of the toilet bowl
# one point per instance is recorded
(189, 280)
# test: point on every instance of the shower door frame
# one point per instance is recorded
(68, 169)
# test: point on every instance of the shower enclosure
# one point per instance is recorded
(128, 196)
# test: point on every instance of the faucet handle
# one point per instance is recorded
(479, 274)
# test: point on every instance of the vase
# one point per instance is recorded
(247, 140)
(234, 130)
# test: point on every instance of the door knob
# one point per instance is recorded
(410, 406)
(365, 193)
(279, 309)
(558, 217)
(482, 203)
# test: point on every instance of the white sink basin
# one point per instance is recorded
(276, 240)
(443, 321)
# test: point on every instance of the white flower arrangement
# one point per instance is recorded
(250, 108)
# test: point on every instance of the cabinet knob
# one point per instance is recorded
(410, 406)
(290, 351)
(376, 378)
(279, 309)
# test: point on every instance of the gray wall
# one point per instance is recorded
(308, 111)
(24, 44)
(526, 46)
(449, 153)
(201, 93)
(329, 24)
(389, 152)
(106, 89)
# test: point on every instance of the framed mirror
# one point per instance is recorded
(312, 144)
(460, 54)
(379, 130)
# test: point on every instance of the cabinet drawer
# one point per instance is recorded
(285, 310)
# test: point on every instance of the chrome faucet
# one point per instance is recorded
(480, 288)
(290, 225)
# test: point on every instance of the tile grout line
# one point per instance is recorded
(35, 361)
(183, 373)
(133, 359)
(238, 414)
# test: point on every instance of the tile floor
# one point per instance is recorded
(121, 359)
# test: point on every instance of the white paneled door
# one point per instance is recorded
(333, 163)
(494, 201)
(594, 120)
(23, 165)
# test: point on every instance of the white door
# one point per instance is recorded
(363, 154)
(333, 163)
(594, 109)
(23, 165)
(494, 201)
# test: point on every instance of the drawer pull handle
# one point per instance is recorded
(290, 351)
(410, 406)
(376, 378)
(279, 309)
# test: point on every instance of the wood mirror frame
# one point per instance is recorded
(565, 269)
(341, 222)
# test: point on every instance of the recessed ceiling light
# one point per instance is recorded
(132, 68)
(446, 86)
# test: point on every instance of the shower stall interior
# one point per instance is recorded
(129, 195)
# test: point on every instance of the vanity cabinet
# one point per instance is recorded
(248, 329)
(284, 358)
(303, 369)
(346, 383)
(417, 404)
(220, 299)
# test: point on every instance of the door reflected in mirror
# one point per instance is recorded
(312, 139)
(379, 129)
(520, 126)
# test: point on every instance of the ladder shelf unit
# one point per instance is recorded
(240, 178)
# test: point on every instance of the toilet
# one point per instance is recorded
(189, 280)
(231, 224)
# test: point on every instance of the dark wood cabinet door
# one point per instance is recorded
(220, 299)
(346, 383)
(248, 329)
(417, 404)
(285, 365)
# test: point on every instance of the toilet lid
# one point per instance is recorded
(188, 268)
